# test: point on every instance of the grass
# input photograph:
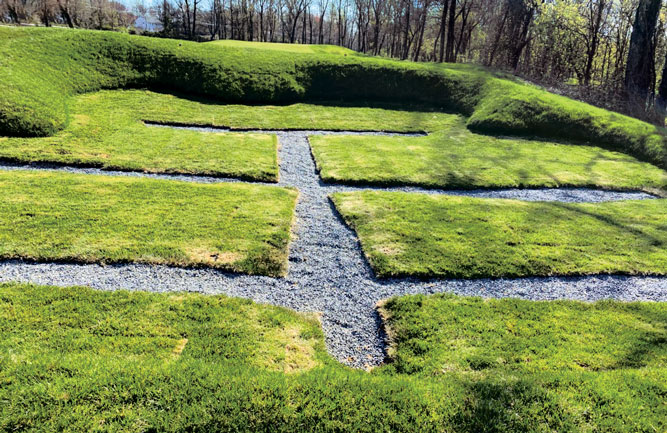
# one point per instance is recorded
(77, 61)
(47, 216)
(106, 130)
(454, 157)
(76, 359)
(287, 48)
(604, 363)
(404, 234)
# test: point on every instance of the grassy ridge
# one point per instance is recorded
(185, 362)
(79, 61)
(57, 216)
(471, 238)
(287, 48)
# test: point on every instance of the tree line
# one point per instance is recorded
(608, 52)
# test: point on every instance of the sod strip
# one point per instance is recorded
(420, 235)
(55, 216)
(106, 131)
(456, 158)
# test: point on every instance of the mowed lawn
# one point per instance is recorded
(167, 108)
(47, 216)
(454, 157)
(407, 234)
(82, 360)
(589, 366)
(286, 48)
(106, 130)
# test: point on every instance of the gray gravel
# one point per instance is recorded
(328, 272)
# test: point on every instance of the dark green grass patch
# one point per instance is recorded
(106, 130)
(81, 360)
(605, 363)
(56, 216)
(456, 158)
(406, 234)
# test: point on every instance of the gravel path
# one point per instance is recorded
(327, 270)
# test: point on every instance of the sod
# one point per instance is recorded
(72, 62)
(406, 234)
(47, 216)
(457, 158)
(604, 363)
(106, 130)
(82, 360)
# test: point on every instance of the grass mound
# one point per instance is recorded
(57, 216)
(472, 238)
(80, 360)
(73, 61)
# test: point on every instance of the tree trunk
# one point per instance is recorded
(443, 25)
(449, 56)
(641, 51)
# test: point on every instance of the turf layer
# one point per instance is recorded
(106, 130)
(47, 216)
(81, 360)
(406, 234)
(454, 158)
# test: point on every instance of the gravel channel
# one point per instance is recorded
(327, 271)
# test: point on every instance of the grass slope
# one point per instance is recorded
(605, 363)
(73, 61)
(81, 360)
(457, 158)
(57, 216)
(287, 48)
(106, 130)
(406, 234)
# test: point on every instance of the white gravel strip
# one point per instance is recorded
(328, 272)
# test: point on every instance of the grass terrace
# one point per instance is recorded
(107, 130)
(472, 237)
(119, 361)
(453, 157)
(46, 216)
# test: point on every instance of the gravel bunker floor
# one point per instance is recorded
(327, 271)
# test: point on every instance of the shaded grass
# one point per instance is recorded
(72, 62)
(55, 216)
(81, 360)
(457, 158)
(605, 362)
(106, 130)
(406, 234)
(335, 116)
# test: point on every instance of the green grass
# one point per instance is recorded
(406, 234)
(287, 48)
(76, 359)
(605, 363)
(106, 130)
(72, 62)
(48, 216)
(454, 157)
